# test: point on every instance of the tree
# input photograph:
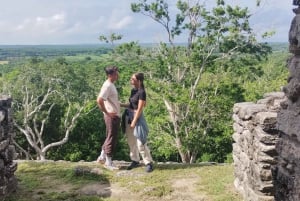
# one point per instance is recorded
(215, 38)
(111, 38)
(36, 94)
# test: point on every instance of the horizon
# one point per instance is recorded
(105, 44)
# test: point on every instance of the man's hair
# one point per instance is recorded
(109, 70)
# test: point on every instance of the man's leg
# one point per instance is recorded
(112, 129)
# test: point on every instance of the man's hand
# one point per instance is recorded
(112, 114)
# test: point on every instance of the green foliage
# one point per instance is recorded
(44, 96)
(192, 80)
(85, 140)
(111, 38)
(273, 78)
(221, 64)
(233, 82)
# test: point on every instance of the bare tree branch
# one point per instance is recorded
(27, 154)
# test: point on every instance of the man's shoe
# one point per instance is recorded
(134, 164)
(149, 167)
(102, 157)
(101, 160)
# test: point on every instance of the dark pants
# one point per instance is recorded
(112, 129)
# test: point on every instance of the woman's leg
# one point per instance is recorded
(131, 140)
(145, 152)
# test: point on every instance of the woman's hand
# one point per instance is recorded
(138, 113)
(132, 125)
(124, 104)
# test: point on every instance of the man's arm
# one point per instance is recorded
(100, 103)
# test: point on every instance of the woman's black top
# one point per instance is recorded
(135, 96)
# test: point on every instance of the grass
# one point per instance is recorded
(65, 181)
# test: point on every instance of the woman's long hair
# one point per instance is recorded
(140, 77)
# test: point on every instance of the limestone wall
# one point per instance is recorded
(255, 136)
(8, 182)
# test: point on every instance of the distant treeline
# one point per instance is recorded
(279, 47)
(12, 52)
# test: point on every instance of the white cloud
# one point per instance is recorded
(121, 23)
(81, 21)
(42, 25)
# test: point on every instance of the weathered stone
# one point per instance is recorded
(2, 133)
(2, 116)
(2, 167)
(254, 153)
(238, 106)
(3, 190)
(8, 181)
(272, 100)
(263, 158)
(289, 124)
(10, 153)
(286, 173)
(264, 137)
(4, 144)
(237, 128)
(289, 150)
(294, 37)
(248, 109)
(267, 121)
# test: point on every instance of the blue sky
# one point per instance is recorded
(33, 22)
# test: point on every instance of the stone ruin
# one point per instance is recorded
(286, 173)
(266, 148)
(255, 136)
(8, 181)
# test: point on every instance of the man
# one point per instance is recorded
(109, 104)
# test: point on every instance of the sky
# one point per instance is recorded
(39, 22)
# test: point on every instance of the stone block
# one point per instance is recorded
(2, 116)
(8, 182)
(3, 191)
(273, 100)
(2, 133)
(249, 110)
(4, 144)
(237, 128)
(267, 121)
(264, 137)
(289, 124)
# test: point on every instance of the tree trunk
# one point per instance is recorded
(185, 156)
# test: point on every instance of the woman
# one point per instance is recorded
(136, 128)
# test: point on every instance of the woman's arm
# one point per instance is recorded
(138, 113)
